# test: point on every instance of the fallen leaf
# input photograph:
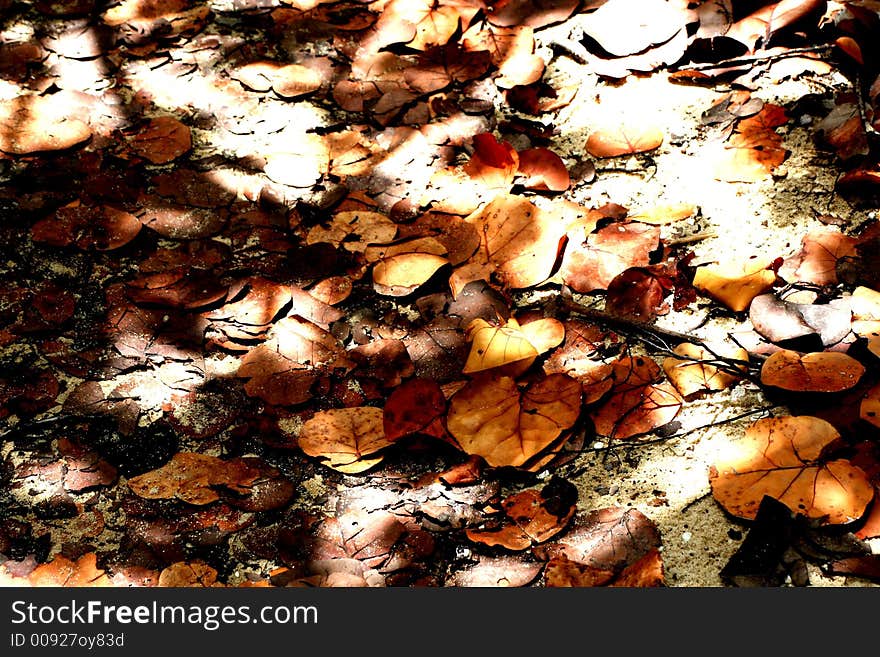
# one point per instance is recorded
(194, 478)
(814, 372)
(499, 346)
(754, 150)
(188, 574)
(626, 27)
(402, 267)
(543, 170)
(784, 457)
(696, 372)
(417, 406)
(608, 539)
(519, 245)
(817, 260)
(735, 283)
(491, 417)
(778, 320)
(638, 292)
(37, 124)
(624, 139)
(102, 228)
(593, 260)
(346, 439)
(162, 140)
(61, 571)
(531, 516)
(638, 402)
(354, 230)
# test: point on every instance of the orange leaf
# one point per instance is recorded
(346, 439)
(692, 374)
(188, 574)
(614, 141)
(354, 230)
(824, 371)
(497, 346)
(194, 478)
(869, 409)
(519, 244)
(491, 417)
(543, 169)
(735, 284)
(402, 267)
(60, 571)
(754, 150)
(638, 403)
(533, 516)
(661, 215)
(783, 458)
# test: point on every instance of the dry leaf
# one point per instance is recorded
(735, 283)
(194, 478)
(814, 372)
(491, 417)
(614, 141)
(696, 373)
(783, 457)
(346, 439)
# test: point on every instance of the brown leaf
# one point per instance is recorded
(194, 478)
(402, 267)
(188, 574)
(162, 140)
(417, 406)
(346, 439)
(638, 403)
(593, 260)
(354, 230)
(532, 516)
(102, 228)
(504, 571)
(588, 354)
(817, 260)
(608, 539)
(491, 417)
(813, 372)
(784, 458)
(36, 124)
(638, 292)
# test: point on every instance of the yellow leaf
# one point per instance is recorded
(735, 284)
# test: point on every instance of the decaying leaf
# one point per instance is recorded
(491, 417)
(531, 516)
(194, 478)
(785, 458)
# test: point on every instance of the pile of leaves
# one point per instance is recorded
(253, 245)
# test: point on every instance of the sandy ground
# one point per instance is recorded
(668, 482)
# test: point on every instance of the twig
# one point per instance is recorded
(756, 58)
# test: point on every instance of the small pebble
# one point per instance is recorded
(686, 536)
